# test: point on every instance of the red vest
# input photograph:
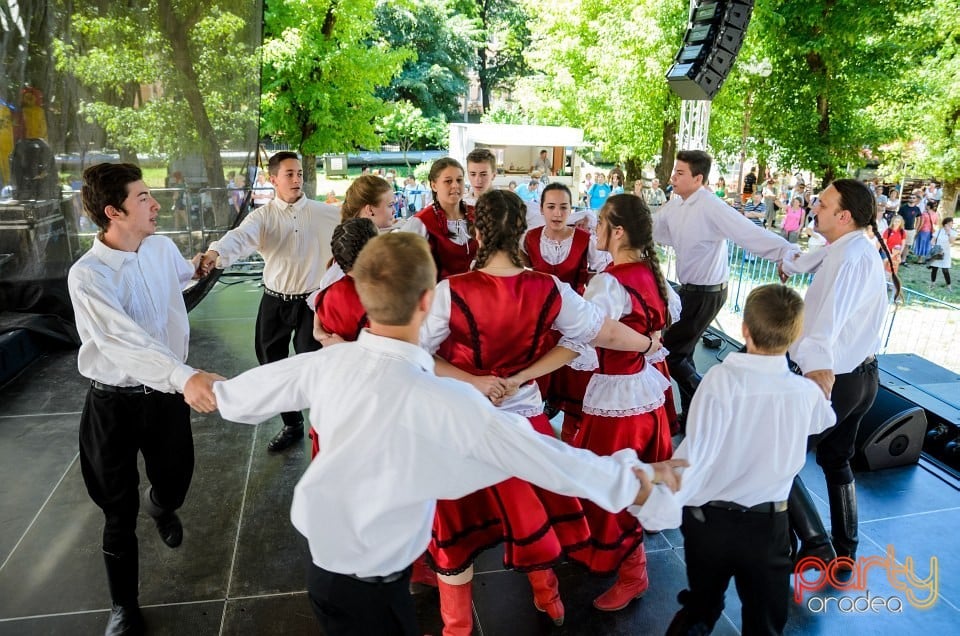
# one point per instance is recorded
(340, 311)
(573, 270)
(649, 314)
(498, 324)
(450, 258)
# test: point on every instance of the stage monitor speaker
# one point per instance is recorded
(891, 433)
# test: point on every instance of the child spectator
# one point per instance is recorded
(747, 441)
(894, 236)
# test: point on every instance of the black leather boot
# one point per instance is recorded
(806, 524)
(123, 578)
(168, 523)
(843, 519)
(287, 437)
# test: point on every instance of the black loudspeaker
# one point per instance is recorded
(710, 46)
(891, 433)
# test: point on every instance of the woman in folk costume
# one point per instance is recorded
(338, 312)
(624, 403)
(488, 327)
(571, 255)
(447, 223)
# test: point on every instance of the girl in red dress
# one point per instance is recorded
(485, 326)
(447, 223)
(624, 403)
(338, 309)
(571, 255)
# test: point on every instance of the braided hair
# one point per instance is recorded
(501, 222)
(632, 214)
(349, 238)
(857, 198)
(436, 168)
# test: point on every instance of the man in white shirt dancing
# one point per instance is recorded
(698, 225)
(126, 294)
(394, 438)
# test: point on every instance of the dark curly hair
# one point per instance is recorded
(349, 238)
(632, 214)
(501, 222)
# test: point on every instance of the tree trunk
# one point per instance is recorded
(948, 205)
(177, 31)
(668, 152)
(309, 175)
(634, 169)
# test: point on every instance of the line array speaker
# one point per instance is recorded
(710, 46)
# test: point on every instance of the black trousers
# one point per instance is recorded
(277, 321)
(752, 548)
(345, 606)
(697, 312)
(853, 395)
(114, 427)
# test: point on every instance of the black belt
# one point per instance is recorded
(767, 507)
(284, 297)
(686, 287)
(390, 578)
(109, 388)
(868, 362)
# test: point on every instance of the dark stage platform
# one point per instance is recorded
(241, 568)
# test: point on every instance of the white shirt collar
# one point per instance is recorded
(296, 205)
(757, 362)
(114, 259)
(398, 348)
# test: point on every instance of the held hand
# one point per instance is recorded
(195, 261)
(207, 262)
(784, 277)
(198, 391)
(824, 379)
(646, 486)
(491, 386)
(668, 473)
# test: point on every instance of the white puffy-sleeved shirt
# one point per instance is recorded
(456, 227)
(555, 252)
(394, 438)
(130, 314)
(293, 238)
(845, 307)
(618, 395)
(578, 321)
(746, 439)
(698, 228)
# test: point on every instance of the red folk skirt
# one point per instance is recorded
(670, 405)
(537, 527)
(613, 537)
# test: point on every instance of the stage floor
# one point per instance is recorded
(241, 568)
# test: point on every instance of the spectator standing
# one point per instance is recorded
(292, 233)
(943, 238)
(544, 166)
(910, 213)
(793, 220)
(893, 204)
(721, 188)
(655, 197)
(894, 237)
(263, 190)
(598, 193)
(770, 203)
(925, 226)
(749, 185)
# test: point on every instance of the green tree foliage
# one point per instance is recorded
(833, 62)
(442, 43)
(406, 127)
(600, 66)
(197, 57)
(320, 76)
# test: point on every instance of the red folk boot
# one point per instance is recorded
(632, 582)
(456, 608)
(546, 594)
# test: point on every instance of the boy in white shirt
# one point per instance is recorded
(746, 440)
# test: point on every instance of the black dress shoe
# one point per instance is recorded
(170, 529)
(286, 438)
(125, 620)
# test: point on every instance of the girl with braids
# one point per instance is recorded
(338, 312)
(368, 197)
(623, 407)
(571, 255)
(488, 327)
(447, 223)
(845, 308)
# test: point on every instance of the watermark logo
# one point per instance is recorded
(846, 575)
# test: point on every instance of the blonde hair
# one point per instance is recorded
(391, 274)
(365, 190)
(773, 314)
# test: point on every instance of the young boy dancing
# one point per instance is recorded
(394, 438)
(746, 440)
